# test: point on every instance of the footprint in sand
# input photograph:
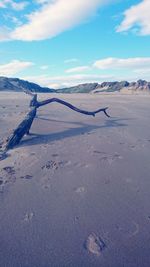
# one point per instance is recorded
(133, 147)
(99, 152)
(33, 154)
(107, 181)
(28, 217)
(46, 186)
(81, 165)
(55, 155)
(55, 165)
(45, 182)
(8, 175)
(136, 229)
(129, 230)
(9, 170)
(95, 244)
(27, 176)
(51, 164)
(76, 218)
(137, 146)
(111, 158)
(116, 157)
(80, 190)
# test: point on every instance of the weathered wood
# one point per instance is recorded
(92, 113)
(33, 102)
(24, 127)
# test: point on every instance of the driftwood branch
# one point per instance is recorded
(92, 113)
(24, 127)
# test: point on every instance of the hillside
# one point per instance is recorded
(18, 85)
(123, 86)
(81, 88)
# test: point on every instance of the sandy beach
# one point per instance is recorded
(76, 192)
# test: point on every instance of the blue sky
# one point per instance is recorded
(59, 43)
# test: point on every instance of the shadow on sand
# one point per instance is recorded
(34, 139)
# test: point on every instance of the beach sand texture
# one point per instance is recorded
(76, 192)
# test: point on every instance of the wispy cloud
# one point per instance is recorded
(55, 17)
(4, 33)
(137, 17)
(14, 67)
(18, 6)
(13, 4)
(42, 1)
(123, 63)
(143, 71)
(78, 69)
(71, 60)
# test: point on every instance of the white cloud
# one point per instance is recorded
(14, 5)
(78, 69)
(19, 6)
(2, 4)
(71, 60)
(4, 34)
(68, 80)
(54, 18)
(143, 71)
(123, 63)
(42, 1)
(137, 16)
(14, 67)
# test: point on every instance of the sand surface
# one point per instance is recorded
(76, 193)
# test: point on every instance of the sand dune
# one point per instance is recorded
(76, 192)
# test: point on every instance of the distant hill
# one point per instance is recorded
(109, 87)
(124, 87)
(18, 85)
(81, 88)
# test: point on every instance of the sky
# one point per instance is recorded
(61, 43)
